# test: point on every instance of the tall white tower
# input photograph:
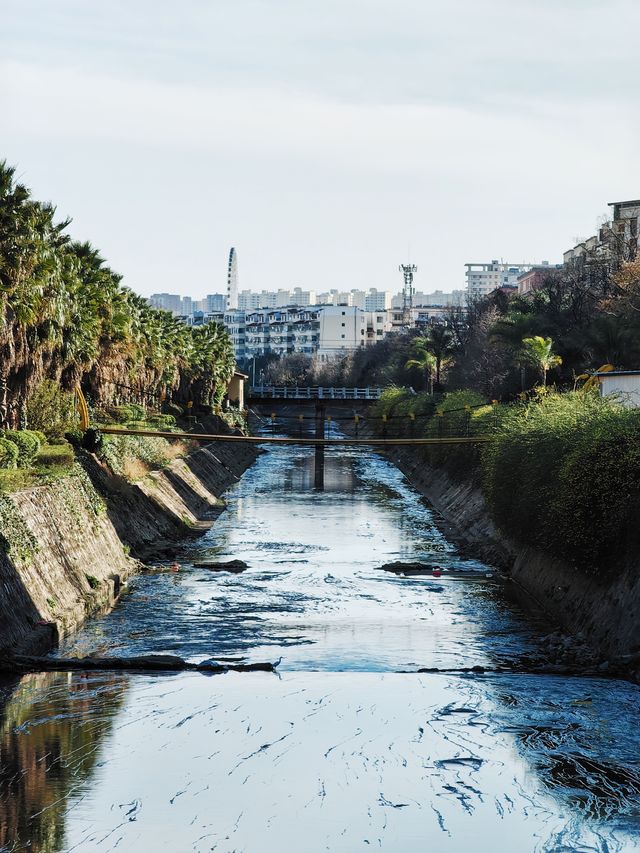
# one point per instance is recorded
(232, 281)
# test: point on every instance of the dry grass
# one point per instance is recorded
(177, 450)
(135, 469)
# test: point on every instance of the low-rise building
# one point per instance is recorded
(533, 279)
(344, 328)
(624, 385)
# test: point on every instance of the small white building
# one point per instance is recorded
(623, 384)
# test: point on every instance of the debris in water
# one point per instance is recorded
(235, 566)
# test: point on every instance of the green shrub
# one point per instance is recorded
(130, 413)
(454, 416)
(8, 454)
(389, 399)
(28, 445)
(75, 437)
(162, 422)
(564, 476)
(50, 410)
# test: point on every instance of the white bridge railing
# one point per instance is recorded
(283, 392)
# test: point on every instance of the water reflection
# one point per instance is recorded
(330, 761)
(51, 733)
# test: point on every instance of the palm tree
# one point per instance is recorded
(538, 351)
(437, 342)
(65, 317)
(423, 359)
(442, 346)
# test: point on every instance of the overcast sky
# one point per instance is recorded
(328, 141)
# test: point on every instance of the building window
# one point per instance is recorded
(342, 336)
(342, 325)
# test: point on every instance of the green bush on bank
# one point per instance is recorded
(8, 454)
(562, 473)
(28, 444)
(462, 413)
(50, 411)
(130, 413)
(564, 477)
(164, 423)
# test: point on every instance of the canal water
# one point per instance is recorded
(348, 747)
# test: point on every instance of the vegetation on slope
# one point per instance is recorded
(561, 473)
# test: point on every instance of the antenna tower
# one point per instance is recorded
(408, 290)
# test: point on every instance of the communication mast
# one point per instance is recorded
(407, 292)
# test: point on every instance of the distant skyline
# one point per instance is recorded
(328, 142)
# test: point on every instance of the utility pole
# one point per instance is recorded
(408, 290)
(319, 455)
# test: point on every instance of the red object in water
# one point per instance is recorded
(436, 573)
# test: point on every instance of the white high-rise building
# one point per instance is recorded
(484, 278)
(232, 281)
(377, 300)
(167, 302)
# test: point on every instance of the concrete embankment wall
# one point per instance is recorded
(69, 545)
(604, 610)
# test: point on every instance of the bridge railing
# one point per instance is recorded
(314, 392)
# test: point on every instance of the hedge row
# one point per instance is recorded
(562, 472)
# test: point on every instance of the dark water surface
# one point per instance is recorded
(342, 751)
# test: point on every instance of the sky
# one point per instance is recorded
(327, 141)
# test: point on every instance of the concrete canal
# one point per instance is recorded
(348, 747)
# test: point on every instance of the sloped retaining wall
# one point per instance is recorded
(604, 610)
(68, 546)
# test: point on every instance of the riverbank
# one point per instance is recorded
(599, 611)
(69, 546)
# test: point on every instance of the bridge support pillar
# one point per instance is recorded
(319, 458)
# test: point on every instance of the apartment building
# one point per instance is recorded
(483, 278)
(343, 328)
(616, 240)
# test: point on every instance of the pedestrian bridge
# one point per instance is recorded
(312, 392)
